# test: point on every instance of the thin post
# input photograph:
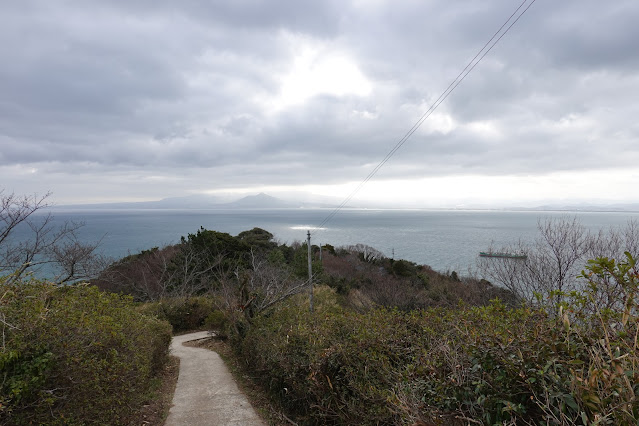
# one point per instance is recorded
(310, 269)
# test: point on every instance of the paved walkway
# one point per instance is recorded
(206, 393)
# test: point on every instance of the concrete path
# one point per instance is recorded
(206, 393)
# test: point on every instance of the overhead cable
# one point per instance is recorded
(490, 44)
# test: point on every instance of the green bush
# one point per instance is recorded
(492, 364)
(74, 355)
(217, 322)
(403, 268)
(183, 313)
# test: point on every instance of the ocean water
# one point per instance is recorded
(446, 240)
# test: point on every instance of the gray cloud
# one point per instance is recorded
(181, 93)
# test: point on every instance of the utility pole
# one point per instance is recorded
(310, 269)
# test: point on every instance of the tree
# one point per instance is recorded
(554, 260)
(260, 286)
(248, 273)
(147, 276)
(257, 238)
(181, 270)
(42, 243)
(365, 252)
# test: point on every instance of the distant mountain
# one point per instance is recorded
(190, 202)
(186, 202)
(259, 201)
(618, 207)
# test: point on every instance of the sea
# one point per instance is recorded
(446, 240)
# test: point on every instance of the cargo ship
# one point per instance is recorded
(502, 254)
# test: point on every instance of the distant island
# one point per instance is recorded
(259, 201)
(265, 201)
(617, 207)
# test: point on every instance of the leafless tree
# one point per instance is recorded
(43, 243)
(552, 261)
(614, 242)
(368, 253)
(631, 237)
(74, 260)
(260, 286)
(145, 276)
(194, 271)
(560, 252)
(180, 270)
(509, 272)
(555, 259)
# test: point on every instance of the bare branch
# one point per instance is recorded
(42, 243)
(554, 260)
(16, 209)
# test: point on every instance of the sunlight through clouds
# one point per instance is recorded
(320, 70)
(487, 129)
(439, 123)
(138, 100)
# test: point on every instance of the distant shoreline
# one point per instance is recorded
(107, 207)
(264, 201)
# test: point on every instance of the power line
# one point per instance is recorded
(490, 44)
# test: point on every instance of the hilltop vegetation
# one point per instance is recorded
(393, 342)
(574, 364)
(253, 272)
(389, 341)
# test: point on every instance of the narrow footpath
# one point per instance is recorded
(206, 393)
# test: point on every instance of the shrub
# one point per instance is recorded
(183, 313)
(217, 322)
(404, 285)
(74, 355)
(491, 364)
(403, 268)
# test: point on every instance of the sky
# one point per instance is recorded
(109, 101)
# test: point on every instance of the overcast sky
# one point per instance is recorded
(144, 99)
